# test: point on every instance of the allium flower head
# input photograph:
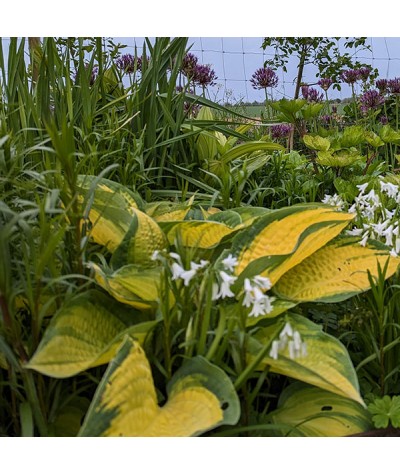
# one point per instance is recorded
(325, 83)
(93, 74)
(203, 75)
(383, 119)
(382, 85)
(189, 64)
(371, 99)
(263, 78)
(350, 76)
(394, 86)
(364, 73)
(280, 131)
(310, 94)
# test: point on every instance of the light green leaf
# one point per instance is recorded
(313, 412)
(315, 142)
(200, 397)
(326, 364)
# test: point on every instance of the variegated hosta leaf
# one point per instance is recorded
(110, 207)
(201, 234)
(326, 364)
(84, 333)
(143, 237)
(133, 285)
(167, 211)
(281, 239)
(313, 412)
(336, 272)
(200, 397)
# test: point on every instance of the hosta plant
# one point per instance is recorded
(205, 300)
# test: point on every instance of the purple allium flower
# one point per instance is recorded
(382, 85)
(394, 86)
(203, 75)
(325, 83)
(189, 64)
(383, 119)
(280, 131)
(334, 109)
(371, 99)
(310, 94)
(126, 63)
(350, 76)
(263, 78)
(364, 73)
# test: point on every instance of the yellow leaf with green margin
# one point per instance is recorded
(326, 364)
(143, 237)
(200, 397)
(132, 285)
(110, 208)
(84, 333)
(336, 272)
(306, 411)
(281, 239)
(202, 234)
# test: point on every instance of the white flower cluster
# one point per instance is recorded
(334, 200)
(253, 289)
(254, 296)
(178, 271)
(292, 340)
(377, 222)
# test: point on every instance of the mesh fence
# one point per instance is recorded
(235, 59)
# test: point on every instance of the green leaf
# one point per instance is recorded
(326, 364)
(385, 410)
(315, 142)
(389, 135)
(200, 397)
(341, 158)
(310, 111)
(314, 412)
(83, 334)
(352, 136)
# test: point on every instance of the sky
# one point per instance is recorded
(235, 59)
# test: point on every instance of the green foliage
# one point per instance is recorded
(385, 411)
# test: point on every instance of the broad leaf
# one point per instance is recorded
(202, 234)
(341, 158)
(315, 142)
(281, 239)
(110, 208)
(313, 412)
(335, 272)
(200, 397)
(133, 285)
(143, 237)
(326, 364)
(82, 335)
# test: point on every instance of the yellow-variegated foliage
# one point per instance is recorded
(133, 285)
(200, 397)
(306, 411)
(85, 333)
(326, 363)
(282, 239)
(336, 272)
(116, 222)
